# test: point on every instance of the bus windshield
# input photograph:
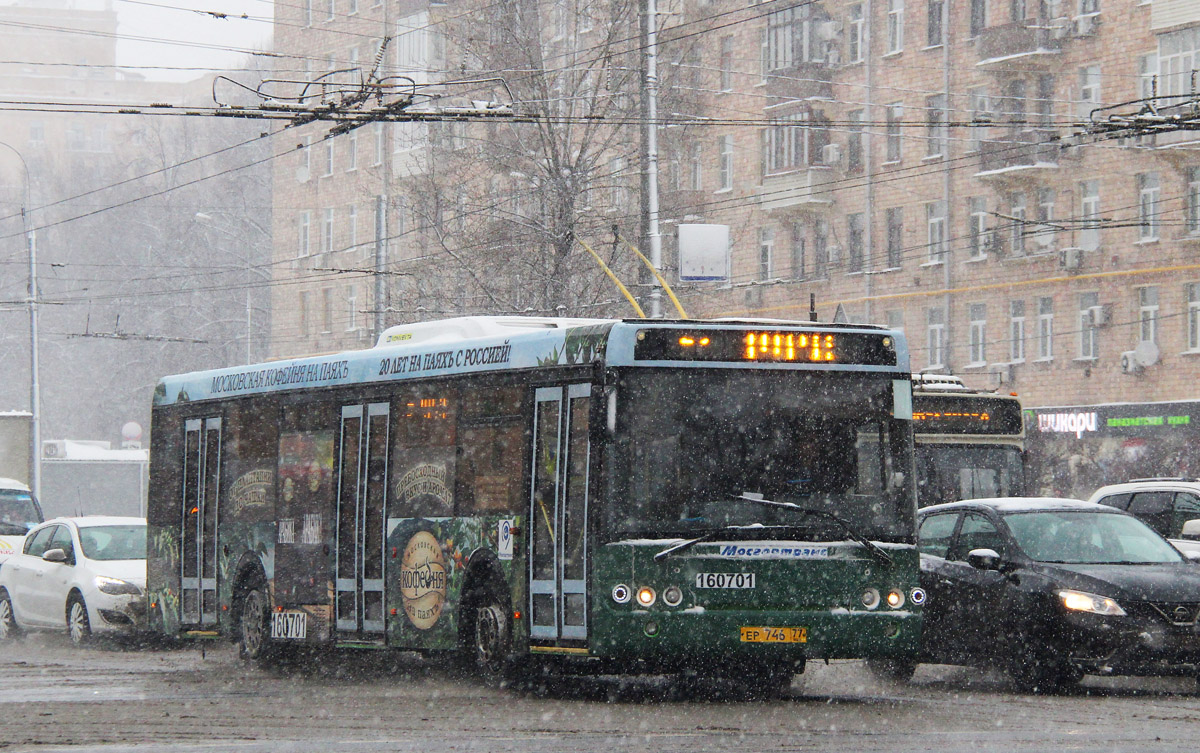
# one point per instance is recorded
(18, 512)
(948, 473)
(690, 442)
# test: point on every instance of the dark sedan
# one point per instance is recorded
(1053, 589)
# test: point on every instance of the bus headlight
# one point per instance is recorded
(646, 596)
(870, 598)
(895, 599)
(672, 596)
(620, 593)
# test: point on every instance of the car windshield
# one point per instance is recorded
(18, 512)
(126, 542)
(690, 442)
(948, 473)
(1079, 537)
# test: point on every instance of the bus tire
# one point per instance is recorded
(891, 668)
(488, 629)
(9, 629)
(254, 633)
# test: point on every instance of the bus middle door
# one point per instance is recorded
(558, 514)
(362, 490)
(198, 522)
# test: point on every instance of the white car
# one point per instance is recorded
(85, 575)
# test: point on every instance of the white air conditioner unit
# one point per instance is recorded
(1085, 26)
(827, 31)
(1101, 316)
(831, 155)
(1129, 364)
(1070, 258)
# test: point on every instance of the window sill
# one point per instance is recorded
(976, 259)
(723, 190)
(1146, 242)
(932, 47)
(890, 163)
(892, 54)
(1190, 353)
(932, 158)
(1085, 360)
(976, 365)
(932, 263)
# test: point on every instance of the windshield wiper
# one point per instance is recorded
(874, 549)
(681, 546)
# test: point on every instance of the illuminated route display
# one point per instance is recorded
(765, 346)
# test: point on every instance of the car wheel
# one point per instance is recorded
(254, 635)
(79, 628)
(8, 622)
(891, 669)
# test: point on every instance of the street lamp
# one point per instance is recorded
(35, 435)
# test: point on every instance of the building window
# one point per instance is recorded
(895, 319)
(1089, 90)
(935, 223)
(352, 309)
(351, 7)
(329, 10)
(791, 143)
(895, 26)
(1045, 328)
(935, 332)
(380, 140)
(726, 64)
(977, 230)
(1089, 215)
(326, 310)
(854, 242)
(766, 253)
(895, 111)
(854, 141)
(977, 333)
(1016, 331)
(1148, 210)
(696, 183)
(935, 126)
(821, 248)
(725, 163)
(791, 39)
(618, 196)
(854, 34)
(327, 231)
(1148, 314)
(307, 13)
(352, 223)
(979, 13)
(303, 223)
(1178, 56)
(798, 251)
(895, 237)
(1193, 316)
(352, 151)
(1147, 76)
(1045, 216)
(1088, 332)
(1017, 211)
(981, 115)
(1192, 201)
(935, 23)
(1045, 101)
(328, 161)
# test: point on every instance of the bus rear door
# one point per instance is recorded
(198, 521)
(362, 490)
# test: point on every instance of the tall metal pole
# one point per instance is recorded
(652, 153)
(35, 433)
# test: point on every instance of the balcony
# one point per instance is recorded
(1001, 45)
(806, 187)
(800, 82)
(1021, 152)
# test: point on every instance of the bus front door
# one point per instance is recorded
(362, 492)
(558, 514)
(198, 522)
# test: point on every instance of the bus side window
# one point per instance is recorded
(425, 453)
(491, 451)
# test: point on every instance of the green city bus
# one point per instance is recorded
(714, 498)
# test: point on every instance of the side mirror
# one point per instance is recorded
(1191, 530)
(983, 559)
(54, 555)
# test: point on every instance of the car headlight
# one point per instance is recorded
(1082, 601)
(116, 587)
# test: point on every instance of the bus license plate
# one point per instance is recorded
(724, 580)
(774, 635)
(293, 625)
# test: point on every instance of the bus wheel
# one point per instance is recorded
(254, 641)
(891, 669)
(491, 638)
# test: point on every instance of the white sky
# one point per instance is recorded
(200, 33)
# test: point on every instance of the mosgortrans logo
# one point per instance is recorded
(774, 552)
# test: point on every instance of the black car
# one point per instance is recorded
(1053, 589)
